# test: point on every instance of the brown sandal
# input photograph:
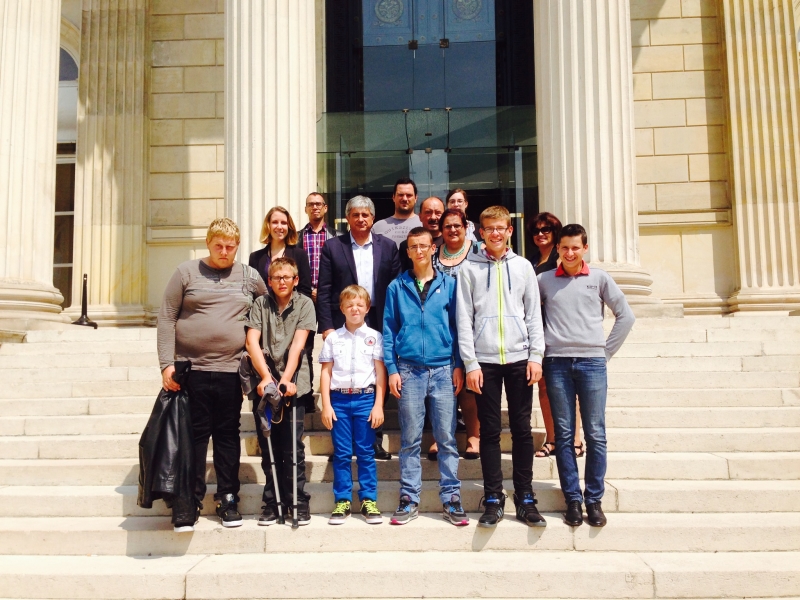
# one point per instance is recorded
(546, 450)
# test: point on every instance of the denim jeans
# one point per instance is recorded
(520, 405)
(587, 378)
(352, 434)
(435, 385)
(281, 435)
(216, 401)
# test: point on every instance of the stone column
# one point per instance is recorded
(584, 118)
(763, 82)
(29, 51)
(270, 111)
(111, 170)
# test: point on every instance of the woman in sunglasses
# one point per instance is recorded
(544, 229)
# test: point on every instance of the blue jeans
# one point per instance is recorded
(352, 434)
(586, 377)
(436, 386)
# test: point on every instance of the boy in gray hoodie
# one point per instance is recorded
(501, 342)
(574, 298)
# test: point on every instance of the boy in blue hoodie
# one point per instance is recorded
(502, 343)
(421, 356)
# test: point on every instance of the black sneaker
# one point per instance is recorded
(183, 525)
(340, 512)
(527, 512)
(269, 515)
(453, 512)
(594, 515)
(494, 508)
(406, 511)
(227, 512)
(574, 514)
(303, 514)
(370, 512)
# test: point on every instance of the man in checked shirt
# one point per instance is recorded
(313, 236)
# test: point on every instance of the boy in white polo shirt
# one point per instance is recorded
(352, 383)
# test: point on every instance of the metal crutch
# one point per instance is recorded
(295, 524)
(281, 520)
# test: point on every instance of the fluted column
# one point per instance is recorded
(584, 117)
(763, 82)
(29, 43)
(270, 110)
(111, 171)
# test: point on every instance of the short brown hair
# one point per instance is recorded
(496, 212)
(451, 193)
(418, 231)
(291, 237)
(354, 291)
(279, 263)
(223, 227)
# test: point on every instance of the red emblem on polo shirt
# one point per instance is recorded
(370, 341)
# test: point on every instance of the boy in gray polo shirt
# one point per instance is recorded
(576, 352)
(280, 322)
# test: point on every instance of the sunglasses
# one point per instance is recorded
(545, 230)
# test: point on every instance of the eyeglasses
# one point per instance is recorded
(315, 204)
(495, 229)
(454, 226)
(457, 201)
(545, 230)
(420, 247)
(282, 278)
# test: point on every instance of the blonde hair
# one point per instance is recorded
(224, 228)
(291, 236)
(496, 212)
(354, 291)
(279, 263)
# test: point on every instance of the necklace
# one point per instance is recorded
(456, 254)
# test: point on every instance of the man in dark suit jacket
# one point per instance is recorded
(357, 258)
(344, 262)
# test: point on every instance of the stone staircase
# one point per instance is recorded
(703, 487)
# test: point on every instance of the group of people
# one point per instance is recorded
(430, 307)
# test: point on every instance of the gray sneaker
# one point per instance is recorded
(452, 511)
(407, 511)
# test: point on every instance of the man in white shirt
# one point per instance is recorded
(397, 226)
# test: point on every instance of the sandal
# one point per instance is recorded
(580, 450)
(546, 450)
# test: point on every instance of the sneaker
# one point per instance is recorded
(574, 514)
(594, 515)
(453, 512)
(494, 508)
(407, 511)
(527, 512)
(371, 513)
(269, 515)
(303, 514)
(182, 526)
(227, 512)
(340, 512)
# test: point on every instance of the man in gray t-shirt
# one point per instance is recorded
(397, 226)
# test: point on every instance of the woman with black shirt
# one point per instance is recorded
(280, 237)
(544, 229)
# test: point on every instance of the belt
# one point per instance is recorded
(366, 390)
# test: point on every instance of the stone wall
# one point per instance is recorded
(686, 238)
(187, 181)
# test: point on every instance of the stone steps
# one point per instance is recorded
(622, 495)
(544, 574)
(626, 532)
(622, 465)
(643, 417)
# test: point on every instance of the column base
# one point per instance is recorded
(777, 300)
(107, 315)
(636, 284)
(30, 301)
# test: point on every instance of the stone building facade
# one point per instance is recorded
(668, 127)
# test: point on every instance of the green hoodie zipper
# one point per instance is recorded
(498, 265)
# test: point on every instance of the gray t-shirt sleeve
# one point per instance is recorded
(308, 315)
(614, 298)
(256, 318)
(167, 317)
